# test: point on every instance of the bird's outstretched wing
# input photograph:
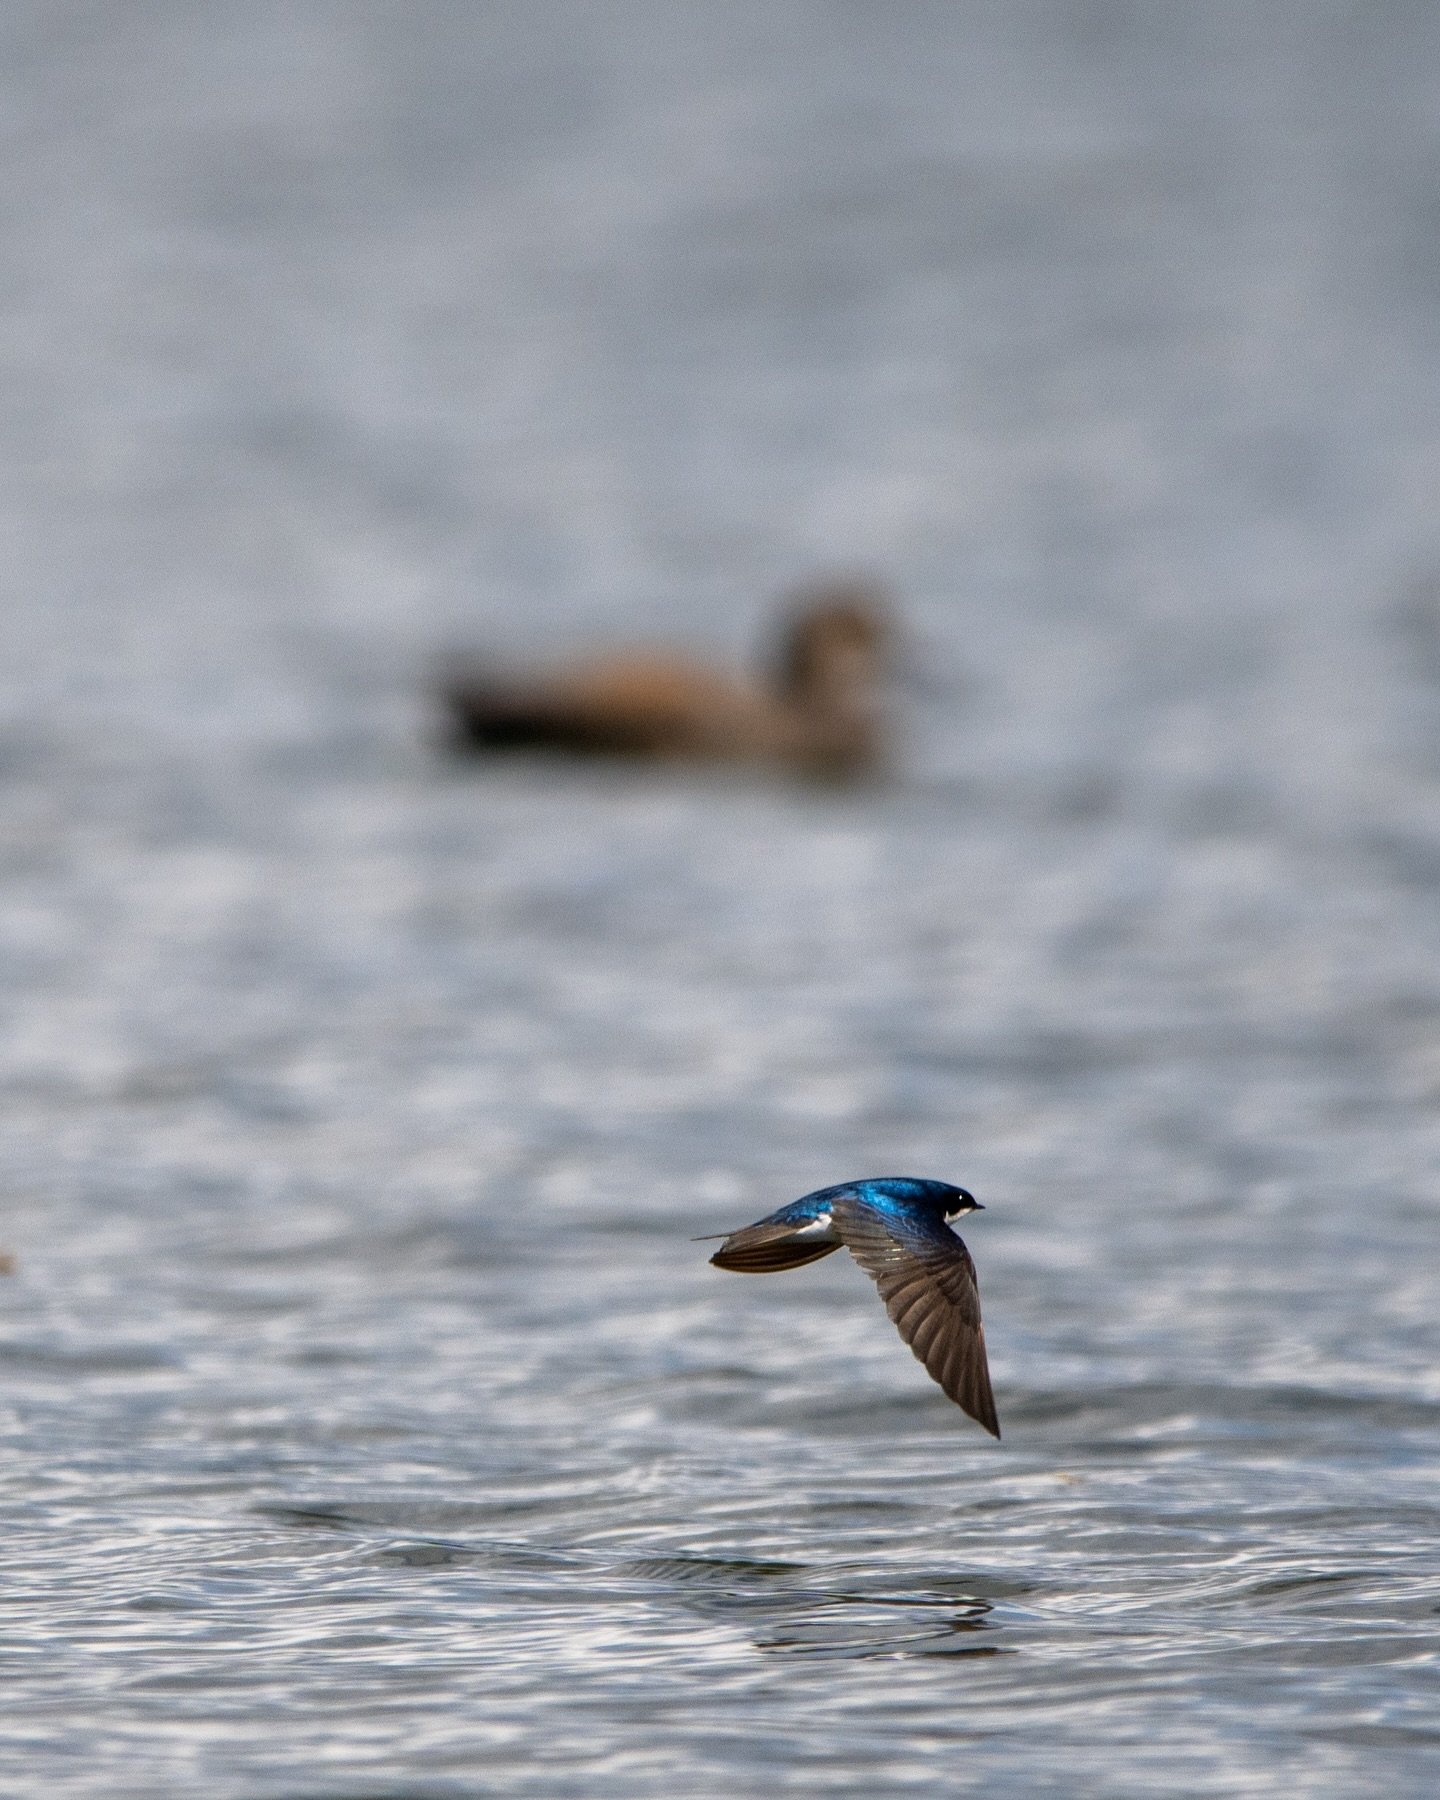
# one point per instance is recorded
(927, 1281)
(770, 1246)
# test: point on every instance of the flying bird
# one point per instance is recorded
(895, 1228)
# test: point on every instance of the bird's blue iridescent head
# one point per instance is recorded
(913, 1190)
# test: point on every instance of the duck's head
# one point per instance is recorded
(835, 642)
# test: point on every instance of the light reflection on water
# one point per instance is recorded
(443, 1517)
(373, 1425)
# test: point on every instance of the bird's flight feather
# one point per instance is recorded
(927, 1281)
(766, 1248)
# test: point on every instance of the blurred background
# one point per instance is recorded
(359, 1375)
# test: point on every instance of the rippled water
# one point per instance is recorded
(373, 1426)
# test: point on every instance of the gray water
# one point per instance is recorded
(372, 1425)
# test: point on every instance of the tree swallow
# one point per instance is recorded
(894, 1226)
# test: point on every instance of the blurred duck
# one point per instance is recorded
(816, 713)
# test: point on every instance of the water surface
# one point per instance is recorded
(373, 1426)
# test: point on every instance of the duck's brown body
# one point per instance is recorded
(818, 713)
